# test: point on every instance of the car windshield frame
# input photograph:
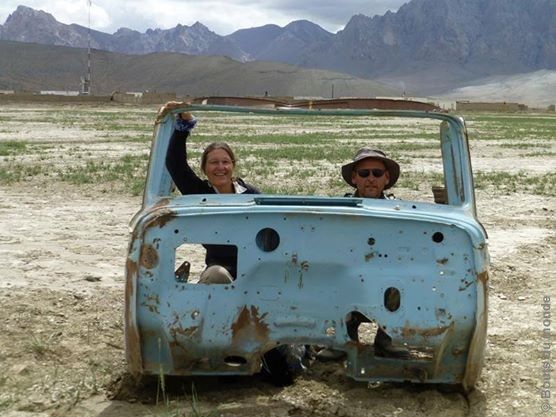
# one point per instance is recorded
(454, 146)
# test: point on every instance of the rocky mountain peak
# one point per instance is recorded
(24, 11)
(200, 27)
(29, 25)
(24, 16)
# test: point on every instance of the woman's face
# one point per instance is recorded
(219, 170)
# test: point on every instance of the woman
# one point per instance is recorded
(217, 163)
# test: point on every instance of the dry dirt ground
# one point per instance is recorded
(62, 255)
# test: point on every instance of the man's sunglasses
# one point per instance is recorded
(364, 173)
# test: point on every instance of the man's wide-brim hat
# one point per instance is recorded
(391, 166)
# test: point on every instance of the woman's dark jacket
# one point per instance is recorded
(189, 183)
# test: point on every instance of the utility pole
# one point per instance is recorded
(86, 81)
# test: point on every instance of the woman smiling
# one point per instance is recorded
(217, 163)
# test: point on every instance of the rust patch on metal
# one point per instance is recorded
(132, 339)
(149, 257)
(162, 203)
(476, 349)
(442, 314)
(152, 302)
(249, 326)
(180, 340)
(483, 277)
(187, 332)
(133, 349)
(303, 267)
(426, 333)
(369, 256)
(161, 218)
(131, 269)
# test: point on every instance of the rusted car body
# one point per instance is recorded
(305, 265)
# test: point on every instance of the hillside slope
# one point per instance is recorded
(25, 66)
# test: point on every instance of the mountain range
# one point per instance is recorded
(426, 47)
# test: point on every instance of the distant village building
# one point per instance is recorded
(494, 106)
(59, 93)
(135, 97)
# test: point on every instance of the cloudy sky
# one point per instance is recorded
(221, 16)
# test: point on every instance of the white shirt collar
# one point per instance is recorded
(240, 189)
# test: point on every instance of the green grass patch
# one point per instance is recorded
(520, 182)
(284, 155)
(539, 154)
(317, 138)
(127, 173)
(521, 145)
(13, 173)
(291, 154)
(415, 180)
(9, 176)
(12, 147)
(511, 127)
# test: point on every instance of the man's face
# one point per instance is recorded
(370, 186)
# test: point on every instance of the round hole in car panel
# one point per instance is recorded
(392, 299)
(267, 239)
(235, 360)
(437, 237)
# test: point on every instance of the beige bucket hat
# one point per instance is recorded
(391, 166)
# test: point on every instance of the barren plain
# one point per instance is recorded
(71, 178)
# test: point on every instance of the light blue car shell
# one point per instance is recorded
(305, 264)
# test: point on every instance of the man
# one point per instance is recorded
(370, 173)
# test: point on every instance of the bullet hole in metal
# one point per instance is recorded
(235, 360)
(392, 299)
(267, 239)
(437, 237)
